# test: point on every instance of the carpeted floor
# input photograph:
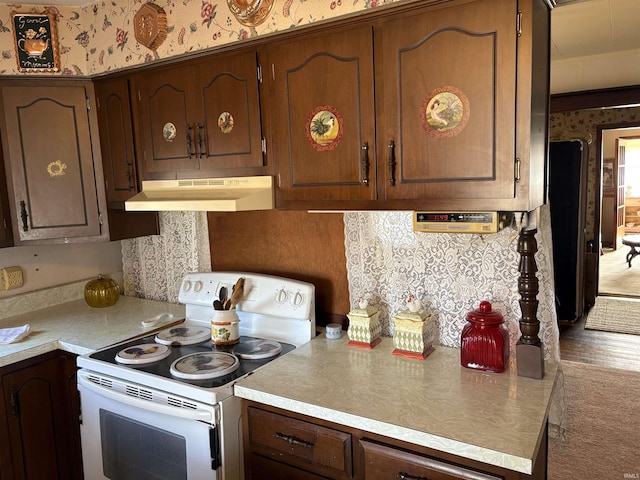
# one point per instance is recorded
(615, 277)
(614, 314)
(603, 425)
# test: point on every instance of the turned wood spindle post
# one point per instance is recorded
(529, 349)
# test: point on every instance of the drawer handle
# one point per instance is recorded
(291, 440)
(406, 476)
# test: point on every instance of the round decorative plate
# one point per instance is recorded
(140, 354)
(444, 112)
(169, 132)
(250, 12)
(150, 25)
(257, 349)
(201, 366)
(183, 335)
(324, 128)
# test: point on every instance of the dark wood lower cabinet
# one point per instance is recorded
(283, 444)
(40, 431)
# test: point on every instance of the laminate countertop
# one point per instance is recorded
(497, 419)
(78, 328)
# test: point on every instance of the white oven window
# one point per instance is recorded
(137, 451)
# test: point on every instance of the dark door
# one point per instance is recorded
(567, 195)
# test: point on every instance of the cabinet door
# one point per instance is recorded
(449, 86)
(165, 120)
(228, 129)
(116, 139)
(384, 462)
(43, 432)
(6, 239)
(322, 107)
(51, 164)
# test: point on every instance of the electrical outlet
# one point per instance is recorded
(11, 278)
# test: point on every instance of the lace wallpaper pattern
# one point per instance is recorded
(154, 266)
(450, 273)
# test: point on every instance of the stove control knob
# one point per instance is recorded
(281, 296)
(187, 285)
(297, 299)
(197, 286)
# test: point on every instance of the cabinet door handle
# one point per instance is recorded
(291, 440)
(365, 163)
(15, 405)
(406, 476)
(200, 138)
(130, 174)
(189, 141)
(392, 163)
(24, 216)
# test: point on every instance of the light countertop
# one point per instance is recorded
(497, 419)
(78, 328)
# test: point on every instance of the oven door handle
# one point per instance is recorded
(188, 414)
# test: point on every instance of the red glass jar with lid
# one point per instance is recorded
(485, 340)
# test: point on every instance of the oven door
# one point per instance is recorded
(134, 432)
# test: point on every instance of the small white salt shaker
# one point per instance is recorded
(333, 331)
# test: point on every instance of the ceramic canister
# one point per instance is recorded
(224, 327)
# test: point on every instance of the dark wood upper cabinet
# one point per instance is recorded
(119, 161)
(51, 162)
(199, 118)
(323, 110)
(449, 89)
(417, 109)
(116, 139)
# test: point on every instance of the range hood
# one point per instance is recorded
(233, 194)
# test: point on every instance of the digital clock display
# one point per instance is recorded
(435, 217)
(460, 222)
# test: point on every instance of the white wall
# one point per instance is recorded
(51, 265)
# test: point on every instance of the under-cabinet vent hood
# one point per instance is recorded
(232, 194)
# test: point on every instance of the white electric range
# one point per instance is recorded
(162, 406)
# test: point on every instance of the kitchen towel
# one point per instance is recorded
(10, 335)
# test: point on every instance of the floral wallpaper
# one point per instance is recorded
(99, 36)
(582, 124)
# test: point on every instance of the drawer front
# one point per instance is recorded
(315, 448)
(261, 468)
(383, 462)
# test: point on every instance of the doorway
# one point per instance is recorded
(619, 159)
